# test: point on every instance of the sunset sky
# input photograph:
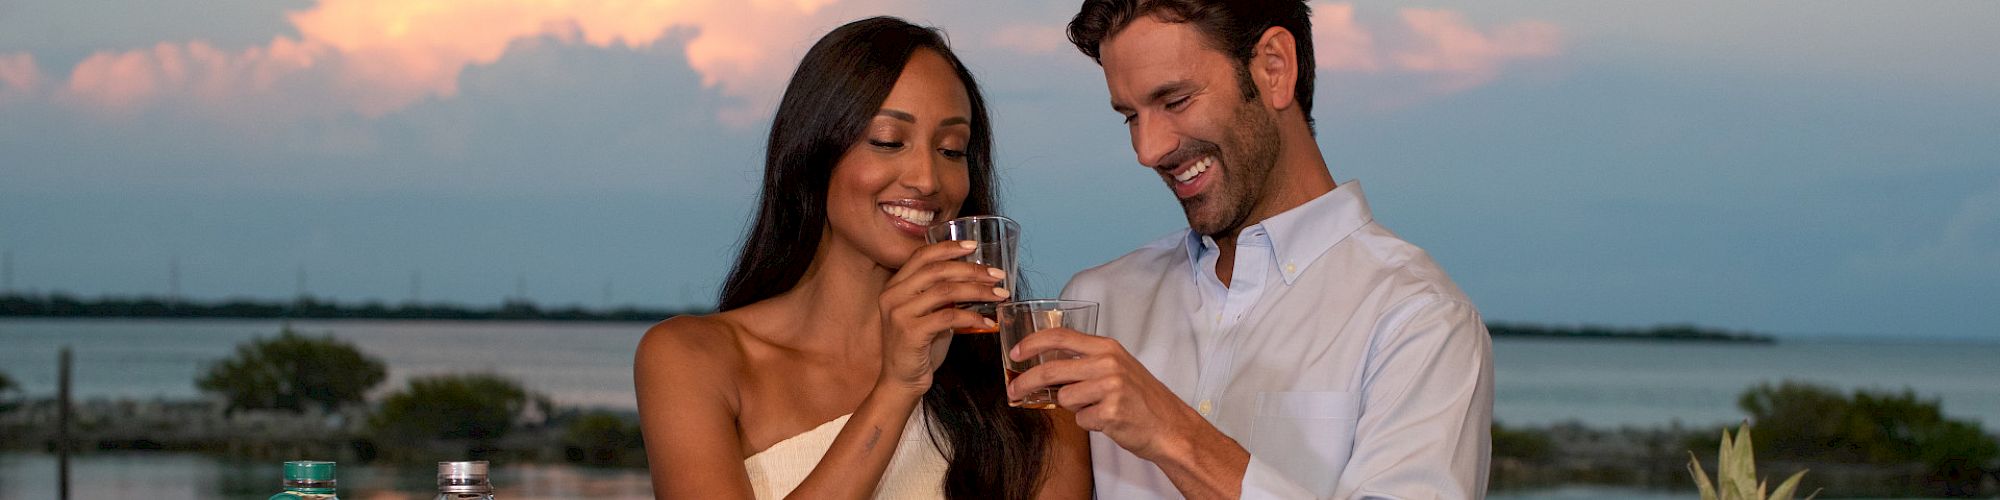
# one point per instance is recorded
(1797, 168)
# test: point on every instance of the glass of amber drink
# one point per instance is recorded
(998, 239)
(1019, 319)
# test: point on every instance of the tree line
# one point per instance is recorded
(62, 305)
(67, 306)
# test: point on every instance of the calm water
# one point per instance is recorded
(585, 364)
(174, 476)
(589, 364)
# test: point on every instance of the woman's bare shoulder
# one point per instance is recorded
(709, 341)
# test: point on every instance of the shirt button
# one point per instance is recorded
(1289, 269)
(1205, 407)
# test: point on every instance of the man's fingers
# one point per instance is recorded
(1051, 374)
(1060, 339)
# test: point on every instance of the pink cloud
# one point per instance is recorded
(1467, 58)
(375, 57)
(19, 76)
(1339, 42)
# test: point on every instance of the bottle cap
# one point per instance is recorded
(307, 474)
(462, 469)
(463, 477)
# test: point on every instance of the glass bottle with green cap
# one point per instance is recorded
(308, 480)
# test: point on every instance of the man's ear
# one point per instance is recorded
(1274, 68)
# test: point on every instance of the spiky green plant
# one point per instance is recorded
(1736, 473)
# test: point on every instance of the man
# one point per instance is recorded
(1284, 345)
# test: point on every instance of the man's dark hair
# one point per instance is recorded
(1231, 26)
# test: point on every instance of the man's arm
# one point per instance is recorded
(1112, 393)
(1427, 407)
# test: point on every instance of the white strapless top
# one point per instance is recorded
(916, 471)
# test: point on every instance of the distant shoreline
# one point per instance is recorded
(1662, 333)
(58, 305)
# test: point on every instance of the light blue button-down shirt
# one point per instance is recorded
(1339, 355)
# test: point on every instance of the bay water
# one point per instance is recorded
(1600, 383)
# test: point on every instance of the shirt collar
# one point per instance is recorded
(1300, 235)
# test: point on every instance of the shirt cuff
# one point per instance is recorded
(1262, 482)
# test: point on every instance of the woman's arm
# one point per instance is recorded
(682, 373)
(917, 320)
(1069, 459)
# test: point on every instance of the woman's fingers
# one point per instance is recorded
(943, 251)
(943, 295)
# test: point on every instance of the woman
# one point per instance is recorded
(825, 374)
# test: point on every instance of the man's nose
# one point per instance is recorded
(1152, 140)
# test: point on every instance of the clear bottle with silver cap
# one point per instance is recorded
(464, 481)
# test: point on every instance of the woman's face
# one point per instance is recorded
(909, 169)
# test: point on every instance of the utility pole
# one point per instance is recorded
(62, 424)
(417, 286)
(302, 282)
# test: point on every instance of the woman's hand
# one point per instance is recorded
(917, 312)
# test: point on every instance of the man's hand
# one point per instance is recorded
(1112, 393)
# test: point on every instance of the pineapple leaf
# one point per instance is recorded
(1744, 466)
(1786, 488)
(1725, 483)
(1700, 478)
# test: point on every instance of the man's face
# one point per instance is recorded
(1190, 121)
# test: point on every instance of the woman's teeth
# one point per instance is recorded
(914, 216)
(1196, 170)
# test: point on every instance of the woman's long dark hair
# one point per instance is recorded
(995, 451)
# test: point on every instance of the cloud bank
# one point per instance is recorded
(371, 58)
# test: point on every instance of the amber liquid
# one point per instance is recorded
(1044, 399)
(987, 310)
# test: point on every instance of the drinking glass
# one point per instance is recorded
(1022, 318)
(997, 238)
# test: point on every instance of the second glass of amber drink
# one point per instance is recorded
(998, 238)
(1019, 319)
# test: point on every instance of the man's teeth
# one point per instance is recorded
(1197, 169)
(918, 217)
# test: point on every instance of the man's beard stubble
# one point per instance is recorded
(1250, 152)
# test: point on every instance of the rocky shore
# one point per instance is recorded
(595, 437)
(1523, 457)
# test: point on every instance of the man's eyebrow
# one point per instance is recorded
(1158, 94)
(1168, 89)
(900, 115)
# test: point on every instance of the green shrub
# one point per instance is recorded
(601, 438)
(1804, 422)
(291, 371)
(1525, 445)
(10, 393)
(478, 407)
